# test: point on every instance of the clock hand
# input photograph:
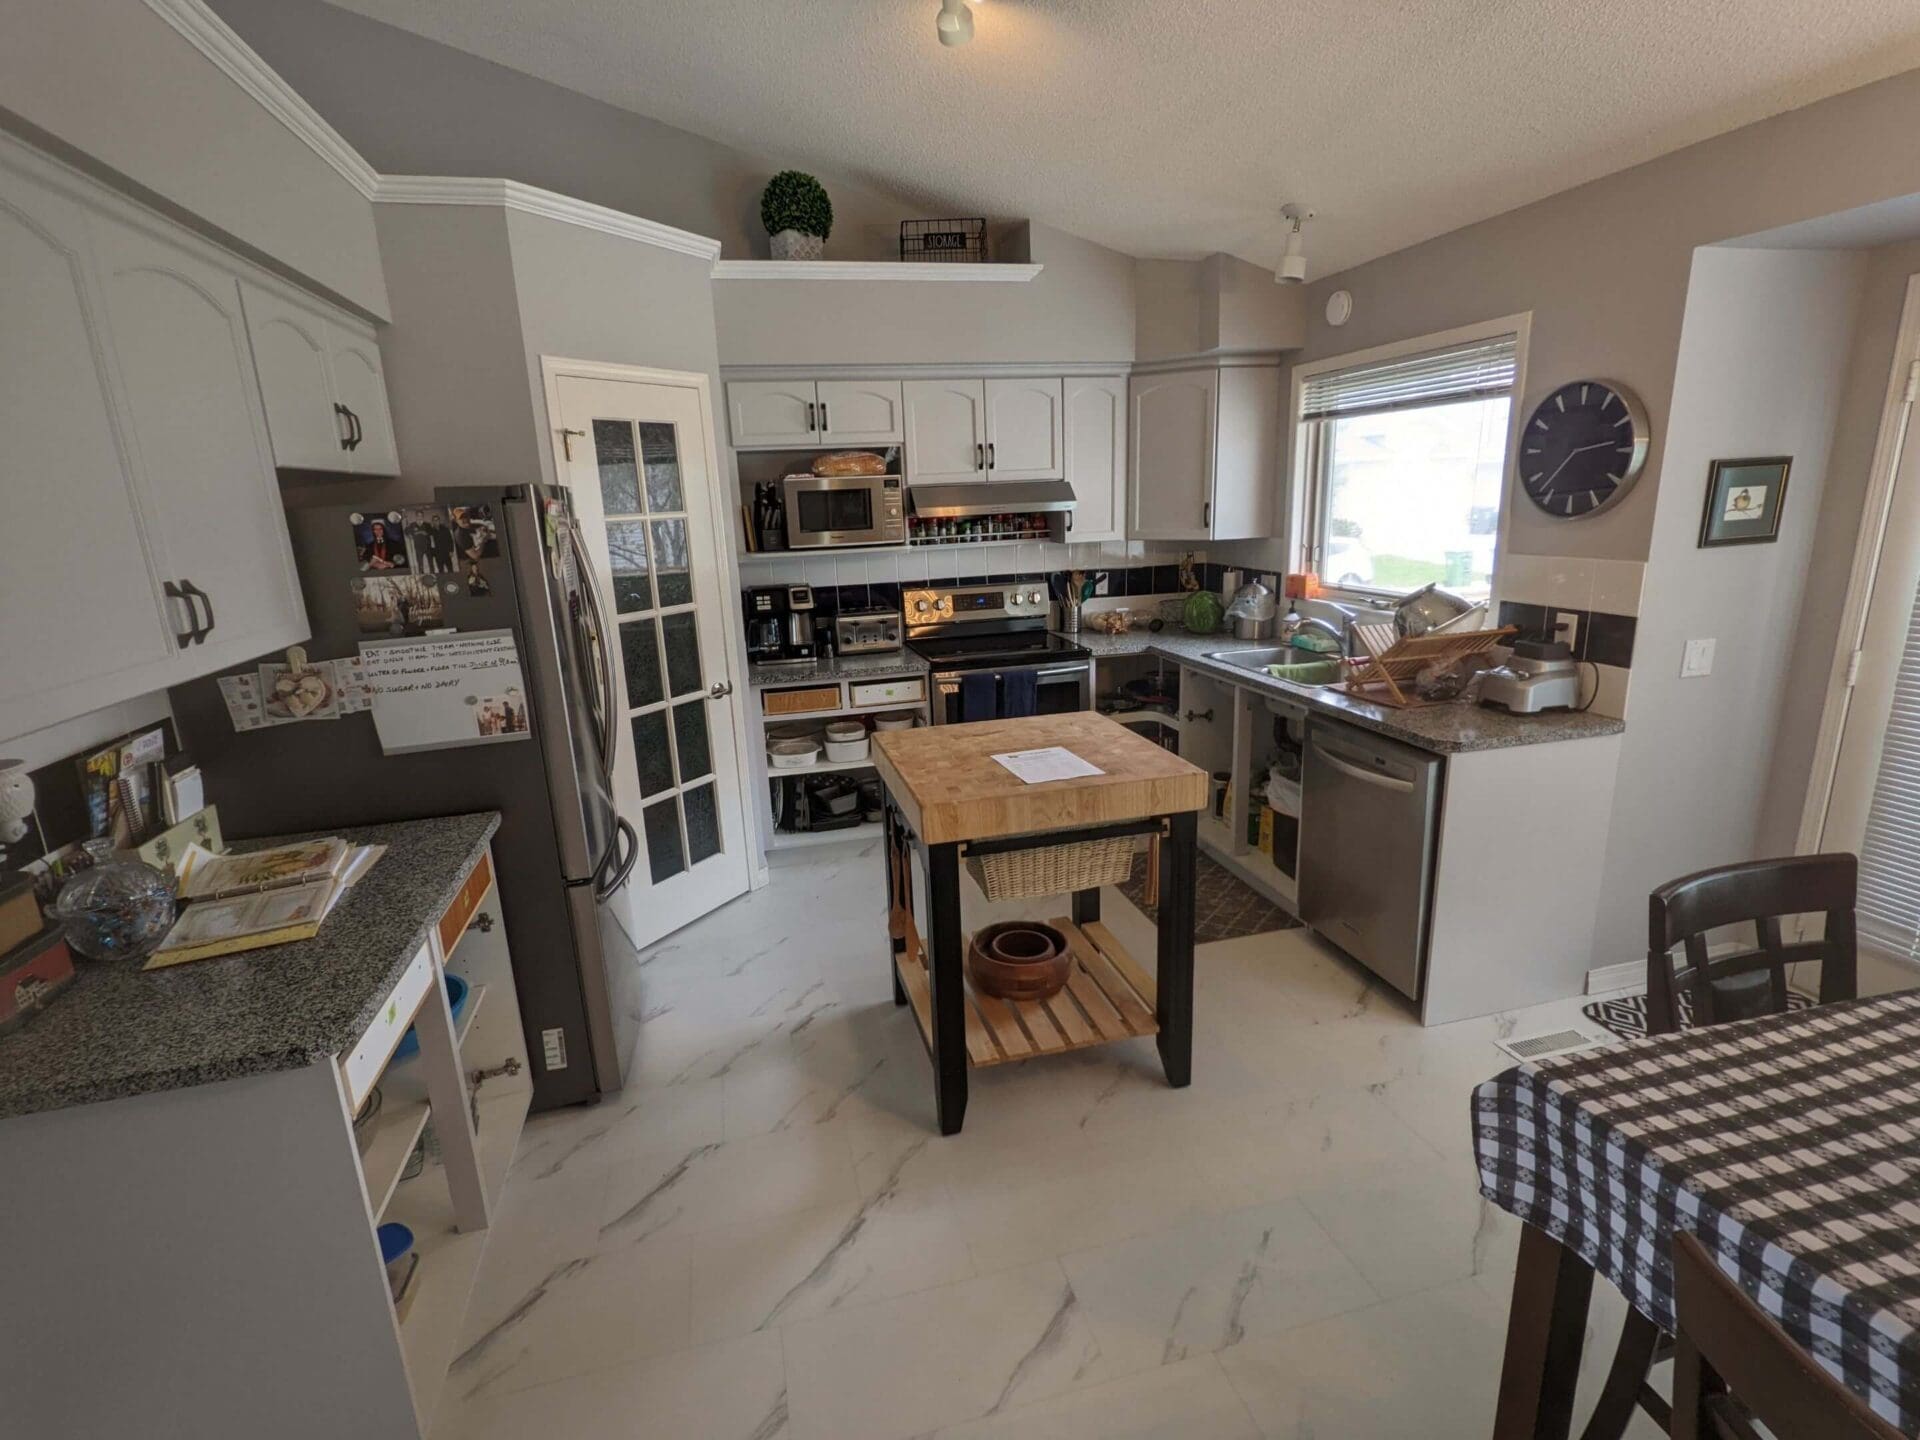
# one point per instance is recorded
(1577, 450)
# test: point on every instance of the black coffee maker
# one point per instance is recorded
(780, 624)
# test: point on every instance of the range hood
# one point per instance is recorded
(992, 497)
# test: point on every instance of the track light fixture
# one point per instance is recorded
(955, 25)
(1293, 264)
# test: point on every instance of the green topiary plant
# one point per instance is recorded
(794, 200)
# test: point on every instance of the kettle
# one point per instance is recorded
(1252, 611)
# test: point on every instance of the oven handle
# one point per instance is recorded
(948, 681)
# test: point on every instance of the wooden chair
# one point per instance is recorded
(1729, 1344)
(1750, 982)
(1736, 986)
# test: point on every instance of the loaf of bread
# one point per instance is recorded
(850, 462)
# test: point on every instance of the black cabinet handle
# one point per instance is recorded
(979, 456)
(1206, 516)
(192, 632)
(358, 434)
(193, 595)
(825, 423)
(340, 412)
(811, 427)
(989, 454)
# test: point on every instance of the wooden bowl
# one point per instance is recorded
(1019, 960)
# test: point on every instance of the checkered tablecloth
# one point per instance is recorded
(1790, 1145)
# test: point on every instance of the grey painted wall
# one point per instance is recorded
(1604, 268)
(1762, 354)
(1830, 563)
(415, 107)
(118, 90)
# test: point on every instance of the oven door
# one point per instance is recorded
(1061, 690)
(843, 510)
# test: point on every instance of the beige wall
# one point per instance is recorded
(117, 89)
(1604, 268)
(1762, 353)
(1190, 307)
(415, 107)
(1830, 562)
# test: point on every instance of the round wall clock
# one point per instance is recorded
(1582, 447)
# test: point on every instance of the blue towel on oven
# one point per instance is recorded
(980, 696)
(1019, 694)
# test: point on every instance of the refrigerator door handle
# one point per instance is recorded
(622, 855)
(602, 712)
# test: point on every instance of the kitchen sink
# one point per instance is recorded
(1257, 658)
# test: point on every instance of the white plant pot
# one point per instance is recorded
(797, 245)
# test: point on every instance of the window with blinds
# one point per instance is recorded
(1481, 370)
(1404, 459)
(1889, 904)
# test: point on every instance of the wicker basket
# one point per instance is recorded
(1053, 869)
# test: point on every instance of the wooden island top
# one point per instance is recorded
(949, 788)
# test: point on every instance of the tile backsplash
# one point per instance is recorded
(1603, 596)
(860, 581)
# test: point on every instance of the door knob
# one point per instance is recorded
(720, 689)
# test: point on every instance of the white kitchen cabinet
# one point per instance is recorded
(1205, 453)
(319, 374)
(1024, 430)
(145, 541)
(946, 431)
(773, 414)
(1095, 438)
(180, 340)
(85, 621)
(860, 412)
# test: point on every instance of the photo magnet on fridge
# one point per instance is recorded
(397, 605)
(380, 542)
(429, 538)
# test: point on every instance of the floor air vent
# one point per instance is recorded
(1554, 1042)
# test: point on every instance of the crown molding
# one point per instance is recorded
(531, 200)
(872, 270)
(213, 38)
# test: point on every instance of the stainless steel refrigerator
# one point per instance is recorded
(562, 851)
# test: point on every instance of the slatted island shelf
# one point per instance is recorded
(947, 799)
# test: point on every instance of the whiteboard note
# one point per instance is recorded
(1052, 762)
(444, 691)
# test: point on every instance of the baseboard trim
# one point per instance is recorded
(1610, 978)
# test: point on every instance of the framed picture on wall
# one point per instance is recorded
(1744, 498)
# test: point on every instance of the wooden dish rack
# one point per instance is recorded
(1393, 662)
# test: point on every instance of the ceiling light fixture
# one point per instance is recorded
(1293, 264)
(955, 25)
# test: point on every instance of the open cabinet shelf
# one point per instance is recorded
(404, 1112)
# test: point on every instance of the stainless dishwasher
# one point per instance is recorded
(1368, 813)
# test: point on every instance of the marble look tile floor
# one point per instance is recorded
(763, 1238)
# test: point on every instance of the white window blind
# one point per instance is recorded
(1889, 905)
(1473, 371)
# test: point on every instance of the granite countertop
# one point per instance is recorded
(890, 665)
(119, 1030)
(1442, 729)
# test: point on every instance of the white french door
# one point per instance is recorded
(637, 456)
(1872, 725)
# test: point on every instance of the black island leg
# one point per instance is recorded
(944, 963)
(1174, 982)
(893, 857)
(1086, 907)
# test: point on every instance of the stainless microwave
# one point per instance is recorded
(845, 510)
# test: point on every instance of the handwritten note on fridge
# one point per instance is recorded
(446, 690)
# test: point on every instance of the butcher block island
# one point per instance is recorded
(949, 801)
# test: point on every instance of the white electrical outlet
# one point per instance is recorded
(554, 1043)
(1698, 659)
(1566, 629)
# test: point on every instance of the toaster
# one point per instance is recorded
(866, 632)
(1539, 675)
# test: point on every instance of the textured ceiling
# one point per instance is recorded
(1177, 127)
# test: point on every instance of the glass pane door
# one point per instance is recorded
(645, 514)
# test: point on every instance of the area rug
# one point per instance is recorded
(1626, 1015)
(1224, 906)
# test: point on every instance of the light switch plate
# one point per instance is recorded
(554, 1045)
(1698, 659)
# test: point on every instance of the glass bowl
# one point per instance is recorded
(116, 909)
